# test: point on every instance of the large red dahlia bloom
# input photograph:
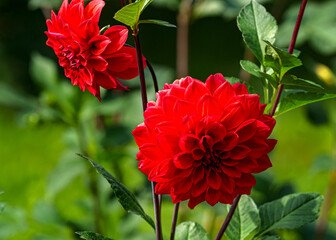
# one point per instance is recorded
(202, 141)
(89, 59)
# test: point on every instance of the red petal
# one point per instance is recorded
(118, 36)
(208, 106)
(193, 202)
(240, 89)
(195, 91)
(188, 143)
(212, 196)
(198, 174)
(98, 63)
(224, 94)
(214, 180)
(183, 161)
(199, 188)
(246, 130)
(264, 163)
(246, 180)
(214, 81)
(105, 81)
(93, 9)
(240, 152)
(99, 44)
(230, 171)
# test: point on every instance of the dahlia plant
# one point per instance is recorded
(199, 141)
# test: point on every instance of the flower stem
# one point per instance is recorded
(183, 21)
(277, 99)
(228, 218)
(141, 71)
(150, 68)
(290, 50)
(157, 212)
(123, 3)
(175, 215)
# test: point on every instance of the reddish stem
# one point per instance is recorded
(123, 3)
(290, 50)
(175, 215)
(228, 218)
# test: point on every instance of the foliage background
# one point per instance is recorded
(47, 187)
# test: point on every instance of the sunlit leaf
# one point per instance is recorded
(245, 219)
(191, 231)
(130, 14)
(289, 212)
(125, 197)
(292, 100)
(279, 60)
(256, 25)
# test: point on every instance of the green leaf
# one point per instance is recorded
(323, 163)
(251, 68)
(43, 71)
(270, 78)
(130, 14)
(298, 83)
(92, 236)
(291, 211)
(125, 197)
(279, 60)
(233, 80)
(270, 237)
(245, 219)
(256, 25)
(292, 100)
(158, 22)
(191, 231)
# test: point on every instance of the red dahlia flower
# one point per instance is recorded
(89, 59)
(202, 142)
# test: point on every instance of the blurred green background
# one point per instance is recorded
(50, 193)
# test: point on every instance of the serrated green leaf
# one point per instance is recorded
(92, 236)
(158, 22)
(292, 100)
(256, 25)
(130, 14)
(245, 219)
(191, 231)
(289, 212)
(299, 83)
(279, 60)
(125, 197)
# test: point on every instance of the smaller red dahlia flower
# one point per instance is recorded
(89, 59)
(202, 141)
